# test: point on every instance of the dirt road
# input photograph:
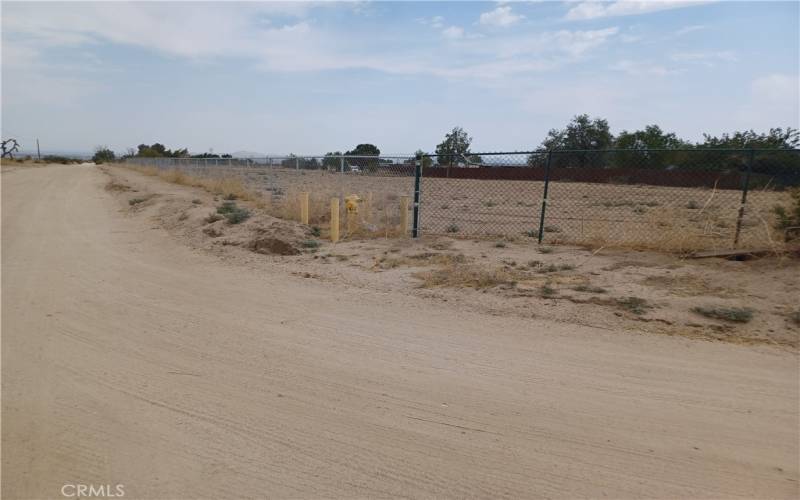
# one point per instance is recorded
(130, 359)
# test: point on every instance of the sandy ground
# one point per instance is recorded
(133, 354)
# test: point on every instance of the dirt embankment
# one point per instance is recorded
(750, 302)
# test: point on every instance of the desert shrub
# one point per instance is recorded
(59, 159)
(103, 155)
(500, 244)
(197, 202)
(310, 244)
(733, 314)
(212, 218)
(636, 305)
(316, 231)
(590, 289)
(532, 233)
(136, 201)
(465, 275)
(233, 213)
(547, 291)
(794, 317)
(452, 228)
(692, 205)
(552, 229)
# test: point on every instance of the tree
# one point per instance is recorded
(332, 161)
(427, 161)
(454, 147)
(102, 155)
(10, 146)
(364, 150)
(777, 138)
(582, 135)
(158, 150)
(647, 148)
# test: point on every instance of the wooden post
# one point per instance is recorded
(304, 208)
(334, 219)
(404, 200)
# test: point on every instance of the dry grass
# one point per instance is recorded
(460, 275)
(420, 260)
(230, 187)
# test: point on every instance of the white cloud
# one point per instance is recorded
(595, 10)
(434, 22)
(642, 69)
(774, 102)
(453, 32)
(689, 29)
(501, 16)
(705, 57)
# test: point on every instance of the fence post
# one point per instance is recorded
(297, 163)
(341, 164)
(544, 197)
(304, 207)
(745, 188)
(334, 220)
(417, 177)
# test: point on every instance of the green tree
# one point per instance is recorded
(102, 155)
(427, 161)
(365, 163)
(454, 147)
(331, 161)
(581, 136)
(645, 148)
(776, 138)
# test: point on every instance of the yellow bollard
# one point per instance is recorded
(404, 200)
(351, 204)
(304, 208)
(334, 219)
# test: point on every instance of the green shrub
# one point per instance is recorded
(233, 213)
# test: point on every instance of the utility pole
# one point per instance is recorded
(38, 152)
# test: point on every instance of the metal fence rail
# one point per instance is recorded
(664, 199)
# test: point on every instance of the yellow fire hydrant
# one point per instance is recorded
(351, 204)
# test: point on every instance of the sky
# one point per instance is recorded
(308, 78)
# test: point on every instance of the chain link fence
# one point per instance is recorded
(676, 200)
(673, 200)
